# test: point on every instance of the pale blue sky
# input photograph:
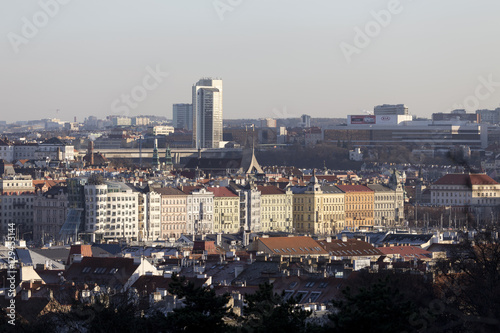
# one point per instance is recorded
(278, 58)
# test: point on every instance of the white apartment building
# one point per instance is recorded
(152, 216)
(386, 203)
(465, 190)
(25, 151)
(251, 208)
(111, 211)
(200, 210)
(163, 130)
(6, 151)
(55, 149)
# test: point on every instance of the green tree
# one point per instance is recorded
(377, 308)
(203, 310)
(266, 311)
(469, 282)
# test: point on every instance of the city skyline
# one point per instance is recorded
(329, 59)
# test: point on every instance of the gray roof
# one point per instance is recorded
(379, 188)
(330, 189)
(411, 239)
(31, 258)
(57, 253)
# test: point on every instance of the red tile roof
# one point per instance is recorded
(270, 190)
(221, 192)
(406, 252)
(190, 189)
(465, 179)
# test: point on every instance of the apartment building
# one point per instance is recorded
(276, 209)
(318, 209)
(200, 210)
(226, 210)
(476, 193)
(50, 210)
(17, 195)
(173, 212)
(387, 205)
(111, 211)
(359, 206)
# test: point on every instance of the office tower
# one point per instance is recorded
(207, 113)
(387, 109)
(183, 116)
(305, 120)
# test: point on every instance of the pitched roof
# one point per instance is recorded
(84, 249)
(465, 179)
(406, 252)
(296, 246)
(113, 272)
(349, 248)
(221, 192)
(270, 190)
(190, 189)
(354, 188)
(379, 188)
(169, 191)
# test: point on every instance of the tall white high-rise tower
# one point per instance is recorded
(207, 113)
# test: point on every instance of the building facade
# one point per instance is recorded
(207, 113)
(173, 212)
(226, 210)
(17, 195)
(276, 209)
(200, 210)
(50, 210)
(182, 114)
(359, 206)
(318, 209)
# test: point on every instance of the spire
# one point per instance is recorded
(168, 158)
(156, 159)
(313, 180)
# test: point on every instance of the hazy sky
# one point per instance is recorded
(277, 58)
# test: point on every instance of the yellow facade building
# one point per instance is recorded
(359, 206)
(276, 207)
(318, 209)
(226, 210)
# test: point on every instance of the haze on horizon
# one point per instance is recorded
(277, 59)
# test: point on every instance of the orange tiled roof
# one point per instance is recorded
(465, 179)
(301, 245)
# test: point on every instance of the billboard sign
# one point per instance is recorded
(363, 120)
